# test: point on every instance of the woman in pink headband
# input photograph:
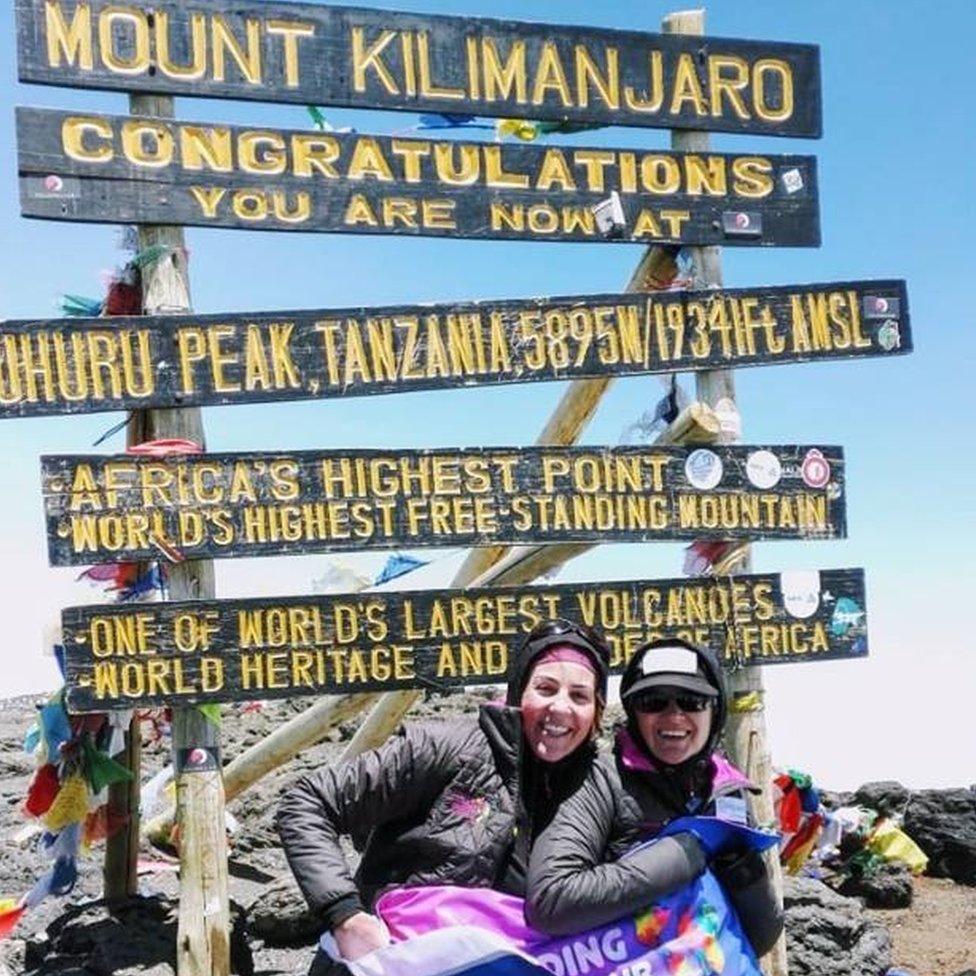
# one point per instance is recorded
(449, 803)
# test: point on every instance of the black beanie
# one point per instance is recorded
(553, 633)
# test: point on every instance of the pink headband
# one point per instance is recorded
(567, 653)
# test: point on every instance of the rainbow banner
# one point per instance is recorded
(453, 931)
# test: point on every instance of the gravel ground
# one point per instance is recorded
(937, 935)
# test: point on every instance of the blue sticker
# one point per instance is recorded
(847, 616)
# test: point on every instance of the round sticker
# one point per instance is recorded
(801, 592)
(703, 469)
(742, 220)
(763, 469)
(197, 757)
(815, 469)
(53, 183)
(880, 305)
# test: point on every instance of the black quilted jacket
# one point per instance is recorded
(437, 804)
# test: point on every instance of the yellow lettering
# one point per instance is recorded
(722, 87)
(686, 86)
(208, 198)
(752, 176)
(501, 79)
(290, 31)
(73, 42)
(587, 71)
(147, 143)
(197, 67)
(364, 58)
(139, 60)
(73, 131)
(224, 42)
(550, 76)
(778, 69)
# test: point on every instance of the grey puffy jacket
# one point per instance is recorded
(577, 879)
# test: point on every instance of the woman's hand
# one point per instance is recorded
(359, 934)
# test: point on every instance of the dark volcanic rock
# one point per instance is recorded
(834, 801)
(138, 938)
(888, 886)
(279, 915)
(887, 797)
(943, 824)
(829, 935)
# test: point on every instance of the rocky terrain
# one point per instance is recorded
(924, 926)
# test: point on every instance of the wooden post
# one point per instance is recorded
(289, 739)
(203, 931)
(746, 737)
(120, 877)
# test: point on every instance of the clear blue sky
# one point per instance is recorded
(896, 201)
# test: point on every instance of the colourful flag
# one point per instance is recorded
(446, 930)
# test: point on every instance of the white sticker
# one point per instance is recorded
(668, 660)
(731, 808)
(703, 469)
(793, 181)
(801, 592)
(763, 469)
(729, 419)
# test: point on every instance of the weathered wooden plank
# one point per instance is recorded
(233, 650)
(225, 505)
(85, 365)
(102, 168)
(348, 56)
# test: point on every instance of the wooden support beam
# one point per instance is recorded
(120, 878)
(203, 928)
(745, 737)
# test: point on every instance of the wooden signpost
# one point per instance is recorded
(151, 169)
(87, 365)
(227, 505)
(105, 168)
(360, 58)
(122, 656)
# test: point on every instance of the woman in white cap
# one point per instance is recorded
(664, 765)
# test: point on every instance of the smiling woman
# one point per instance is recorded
(663, 768)
(458, 803)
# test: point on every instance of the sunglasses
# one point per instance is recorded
(654, 703)
(543, 634)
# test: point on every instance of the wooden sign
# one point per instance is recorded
(128, 363)
(130, 169)
(320, 55)
(224, 505)
(120, 656)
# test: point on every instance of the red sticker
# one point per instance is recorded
(815, 469)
